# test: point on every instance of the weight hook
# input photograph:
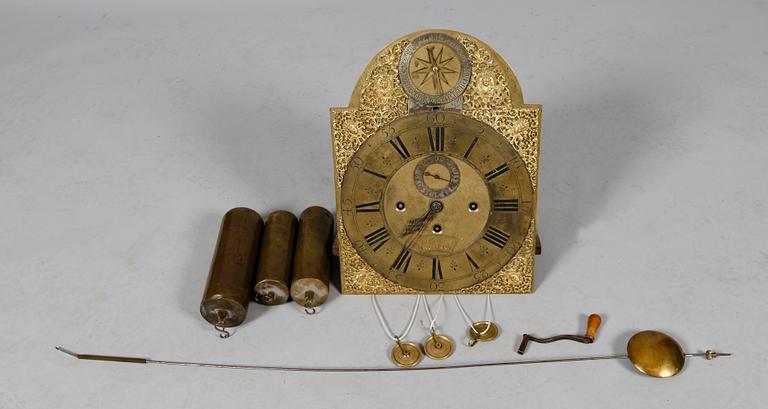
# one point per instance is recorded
(224, 334)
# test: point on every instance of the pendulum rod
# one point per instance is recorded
(133, 360)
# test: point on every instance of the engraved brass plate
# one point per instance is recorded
(434, 69)
(477, 180)
(492, 97)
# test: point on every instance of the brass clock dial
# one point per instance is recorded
(436, 201)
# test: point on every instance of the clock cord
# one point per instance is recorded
(468, 319)
(436, 346)
(385, 325)
(432, 318)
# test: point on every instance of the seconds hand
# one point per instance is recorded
(436, 176)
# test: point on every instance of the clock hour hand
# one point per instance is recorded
(418, 231)
(418, 223)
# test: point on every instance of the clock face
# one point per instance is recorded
(436, 201)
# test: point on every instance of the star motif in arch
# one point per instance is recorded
(435, 68)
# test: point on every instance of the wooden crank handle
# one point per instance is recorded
(593, 323)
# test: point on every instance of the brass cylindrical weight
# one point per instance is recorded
(230, 280)
(311, 258)
(273, 276)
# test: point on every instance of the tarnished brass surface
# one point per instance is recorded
(273, 275)
(406, 354)
(493, 96)
(228, 291)
(656, 354)
(309, 287)
(438, 347)
(476, 176)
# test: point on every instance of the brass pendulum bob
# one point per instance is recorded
(657, 354)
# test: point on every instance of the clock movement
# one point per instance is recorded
(436, 171)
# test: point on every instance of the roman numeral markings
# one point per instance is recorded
(378, 175)
(469, 150)
(436, 139)
(496, 172)
(402, 261)
(471, 261)
(368, 207)
(399, 146)
(496, 237)
(437, 271)
(377, 238)
(505, 205)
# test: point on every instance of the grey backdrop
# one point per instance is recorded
(128, 128)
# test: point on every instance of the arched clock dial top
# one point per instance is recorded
(434, 69)
(436, 201)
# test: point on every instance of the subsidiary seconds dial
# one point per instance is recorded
(436, 201)
(436, 176)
